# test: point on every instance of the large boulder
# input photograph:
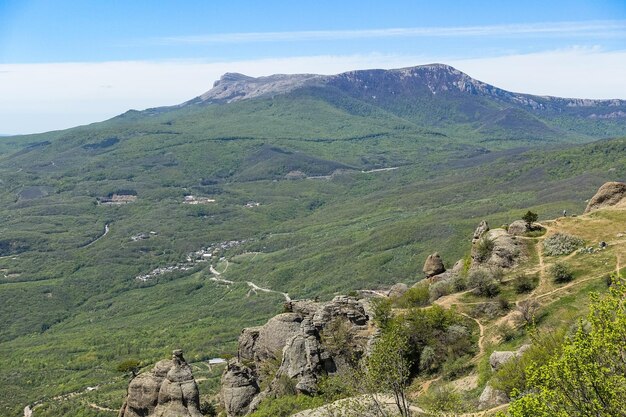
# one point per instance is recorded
(610, 194)
(518, 228)
(168, 390)
(398, 290)
(483, 227)
(491, 398)
(499, 358)
(433, 265)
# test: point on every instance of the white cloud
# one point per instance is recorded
(602, 28)
(42, 97)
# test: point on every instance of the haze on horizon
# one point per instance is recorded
(69, 63)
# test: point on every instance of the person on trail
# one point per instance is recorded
(564, 213)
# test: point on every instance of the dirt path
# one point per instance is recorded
(99, 408)
(255, 288)
(481, 337)
(379, 170)
(106, 232)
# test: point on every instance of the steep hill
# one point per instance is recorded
(309, 190)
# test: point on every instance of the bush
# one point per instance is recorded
(561, 244)
(561, 273)
(417, 296)
(439, 289)
(442, 400)
(525, 284)
(484, 248)
(484, 283)
(530, 218)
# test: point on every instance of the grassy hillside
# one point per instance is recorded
(70, 300)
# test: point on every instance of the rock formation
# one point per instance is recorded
(483, 227)
(518, 228)
(491, 397)
(168, 390)
(397, 290)
(302, 340)
(504, 253)
(433, 265)
(610, 194)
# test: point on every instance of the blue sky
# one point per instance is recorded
(93, 59)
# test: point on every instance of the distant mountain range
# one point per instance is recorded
(438, 96)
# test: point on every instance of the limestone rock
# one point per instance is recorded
(266, 342)
(518, 228)
(499, 358)
(483, 227)
(433, 265)
(305, 356)
(610, 194)
(168, 390)
(505, 253)
(239, 388)
(398, 290)
(491, 398)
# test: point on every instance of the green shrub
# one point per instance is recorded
(561, 273)
(561, 244)
(525, 283)
(439, 289)
(417, 296)
(442, 400)
(484, 248)
(286, 405)
(483, 283)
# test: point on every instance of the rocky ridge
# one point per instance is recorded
(300, 340)
(432, 79)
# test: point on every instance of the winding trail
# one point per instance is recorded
(253, 287)
(106, 232)
(481, 337)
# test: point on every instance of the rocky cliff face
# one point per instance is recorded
(168, 390)
(304, 342)
(610, 194)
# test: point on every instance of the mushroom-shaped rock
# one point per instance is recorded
(433, 265)
(610, 194)
(483, 227)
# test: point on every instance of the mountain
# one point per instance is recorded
(439, 96)
(188, 223)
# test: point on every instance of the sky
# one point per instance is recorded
(70, 62)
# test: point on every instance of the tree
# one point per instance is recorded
(587, 376)
(530, 218)
(388, 369)
(561, 273)
(528, 309)
(129, 366)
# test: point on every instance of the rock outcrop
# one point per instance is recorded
(499, 358)
(483, 227)
(303, 341)
(433, 265)
(168, 390)
(491, 397)
(504, 251)
(397, 290)
(610, 194)
(518, 228)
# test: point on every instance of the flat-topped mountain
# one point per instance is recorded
(435, 96)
